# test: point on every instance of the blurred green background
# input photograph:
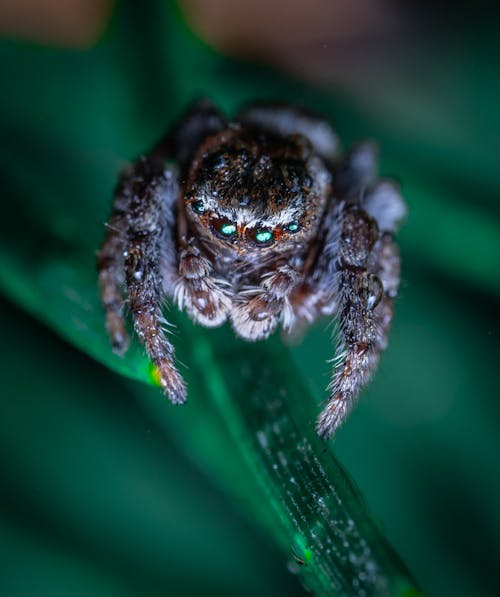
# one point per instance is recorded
(98, 495)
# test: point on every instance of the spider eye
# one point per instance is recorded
(293, 227)
(228, 229)
(264, 236)
(224, 228)
(261, 236)
(198, 207)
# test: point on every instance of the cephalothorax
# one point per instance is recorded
(260, 221)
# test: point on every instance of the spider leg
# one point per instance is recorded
(206, 300)
(286, 120)
(200, 120)
(365, 282)
(110, 264)
(151, 221)
(257, 311)
(385, 203)
(357, 171)
(138, 255)
(140, 243)
(356, 177)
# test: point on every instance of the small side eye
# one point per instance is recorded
(198, 207)
(293, 227)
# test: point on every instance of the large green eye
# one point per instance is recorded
(264, 236)
(293, 227)
(198, 207)
(228, 229)
(224, 228)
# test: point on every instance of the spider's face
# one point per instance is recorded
(251, 191)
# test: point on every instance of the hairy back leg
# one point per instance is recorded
(110, 265)
(287, 120)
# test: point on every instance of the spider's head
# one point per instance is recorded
(251, 191)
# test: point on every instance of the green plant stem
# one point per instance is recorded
(320, 517)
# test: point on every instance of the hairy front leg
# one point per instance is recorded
(364, 313)
(151, 230)
(138, 254)
(138, 258)
(111, 255)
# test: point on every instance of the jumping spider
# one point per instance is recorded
(259, 220)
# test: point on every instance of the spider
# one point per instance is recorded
(262, 221)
